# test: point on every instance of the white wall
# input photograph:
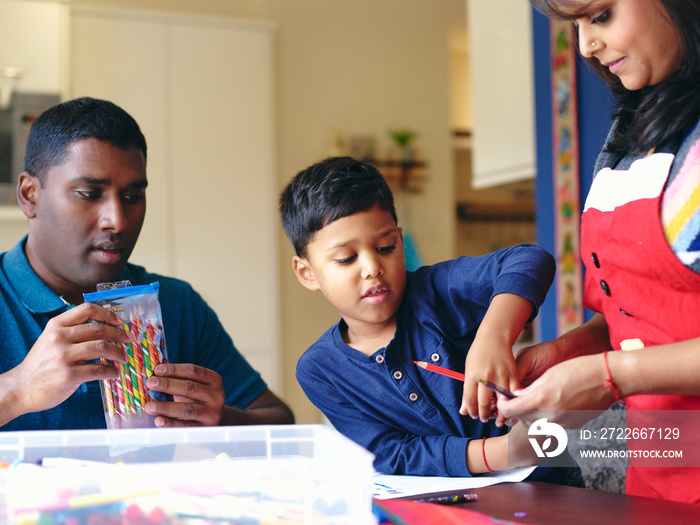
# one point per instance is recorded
(13, 225)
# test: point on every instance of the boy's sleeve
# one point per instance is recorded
(457, 293)
(526, 270)
(396, 452)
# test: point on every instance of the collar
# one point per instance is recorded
(35, 295)
(389, 352)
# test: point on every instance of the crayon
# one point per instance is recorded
(450, 500)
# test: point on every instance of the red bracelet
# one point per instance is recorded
(483, 454)
(609, 383)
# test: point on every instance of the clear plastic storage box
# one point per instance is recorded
(286, 474)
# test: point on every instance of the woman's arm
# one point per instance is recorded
(566, 377)
(590, 338)
(574, 390)
(671, 369)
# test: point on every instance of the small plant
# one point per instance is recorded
(403, 137)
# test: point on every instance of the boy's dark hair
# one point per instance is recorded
(75, 120)
(654, 116)
(327, 191)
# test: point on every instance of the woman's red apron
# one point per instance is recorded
(635, 280)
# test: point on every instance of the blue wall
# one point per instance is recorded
(594, 106)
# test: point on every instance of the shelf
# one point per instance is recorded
(462, 139)
(408, 174)
(515, 211)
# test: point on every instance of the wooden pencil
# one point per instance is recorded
(456, 375)
(440, 370)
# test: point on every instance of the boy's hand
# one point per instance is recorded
(489, 362)
(491, 355)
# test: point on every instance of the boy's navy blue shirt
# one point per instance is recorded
(407, 416)
(193, 334)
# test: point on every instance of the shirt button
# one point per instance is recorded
(596, 262)
(604, 286)
(435, 357)
(413, 396)
(379, 359)
(398, 375)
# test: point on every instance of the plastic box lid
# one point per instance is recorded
(237, 474)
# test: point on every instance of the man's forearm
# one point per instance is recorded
(266, 409)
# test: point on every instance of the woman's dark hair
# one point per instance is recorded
(659, 115)
(78, 119)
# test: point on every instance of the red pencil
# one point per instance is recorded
(456, 375)
(440, 370)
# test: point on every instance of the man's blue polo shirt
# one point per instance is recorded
(192, 330)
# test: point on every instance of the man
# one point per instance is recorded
(84, 193)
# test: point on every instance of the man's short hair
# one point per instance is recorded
(60, 126)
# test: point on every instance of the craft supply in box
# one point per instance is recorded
(124, 398)
(286, 474)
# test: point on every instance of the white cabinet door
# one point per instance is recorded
(122, 58)
(33, 38)
(202, 91)
(224, 210)
(500, 41)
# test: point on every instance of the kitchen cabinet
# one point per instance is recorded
(33, 62)
(500, 50)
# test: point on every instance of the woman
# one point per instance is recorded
(640, 238)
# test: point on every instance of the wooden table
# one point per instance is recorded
(545, 504)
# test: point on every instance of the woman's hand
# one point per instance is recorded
(533, 361)
(569, 394)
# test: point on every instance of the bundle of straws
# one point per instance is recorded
(126, 396)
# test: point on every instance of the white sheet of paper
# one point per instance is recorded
(385, 486)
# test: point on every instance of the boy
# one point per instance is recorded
(339, 215)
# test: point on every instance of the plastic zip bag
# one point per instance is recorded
(124, 398)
